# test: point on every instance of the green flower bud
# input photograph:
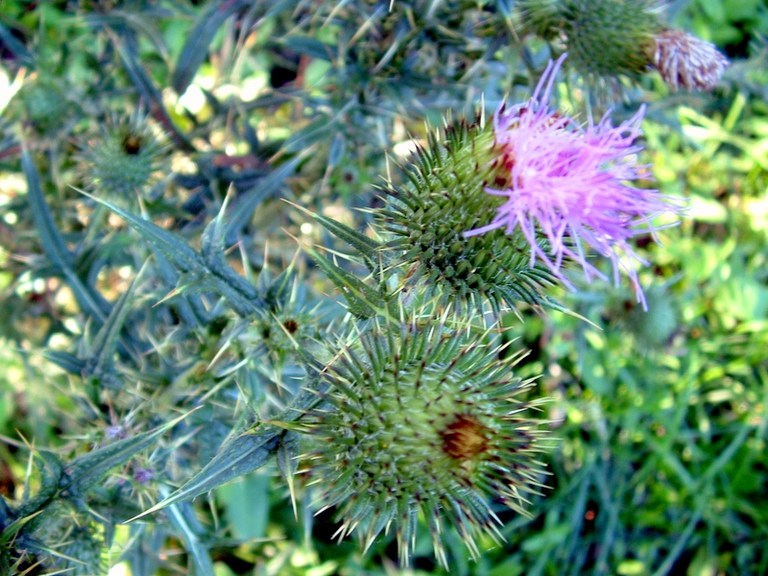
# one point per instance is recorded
(420, 420)
(446, 196)
(124, 159)
(47, 103)
(611, 37)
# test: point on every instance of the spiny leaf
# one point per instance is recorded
(193, 316)
(245, 452)
(287, 451)
(196, 271)
(51, 470)
(363, 301)
(212, 249)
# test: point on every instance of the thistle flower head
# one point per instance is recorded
(422, 420)
(48, 102)
(568, 183)
(124, 158)
(685, 61)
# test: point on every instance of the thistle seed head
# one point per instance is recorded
(422, 421)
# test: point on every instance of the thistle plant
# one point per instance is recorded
(535, 174)
(389, 339)
(422, 419)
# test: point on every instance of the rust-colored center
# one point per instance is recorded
(464, 438)
(132, 144)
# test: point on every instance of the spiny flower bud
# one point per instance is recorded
(445, 197)
(609, 37)
(685, 61)
(48, 102)
(124, 159)
(422, 420)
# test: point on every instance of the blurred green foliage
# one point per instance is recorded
(126, 365)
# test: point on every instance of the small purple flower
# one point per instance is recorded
(568, 183)
(143, 475)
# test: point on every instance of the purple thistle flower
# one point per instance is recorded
(569, 183)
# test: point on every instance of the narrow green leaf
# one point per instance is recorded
(316, 131)
(246, 505)
(311, 47)
(242, 210)
(101, 358)
(144, 84)
(53, 243)
(65, 361)
(200, 37)
(185, 524)
(17, 48)
(145, 24)
(244, 453)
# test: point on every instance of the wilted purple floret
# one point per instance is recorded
(570, 182)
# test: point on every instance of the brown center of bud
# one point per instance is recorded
(464, 438)
(291, 325)
(132, 144)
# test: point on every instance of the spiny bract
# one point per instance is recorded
(420, 419)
